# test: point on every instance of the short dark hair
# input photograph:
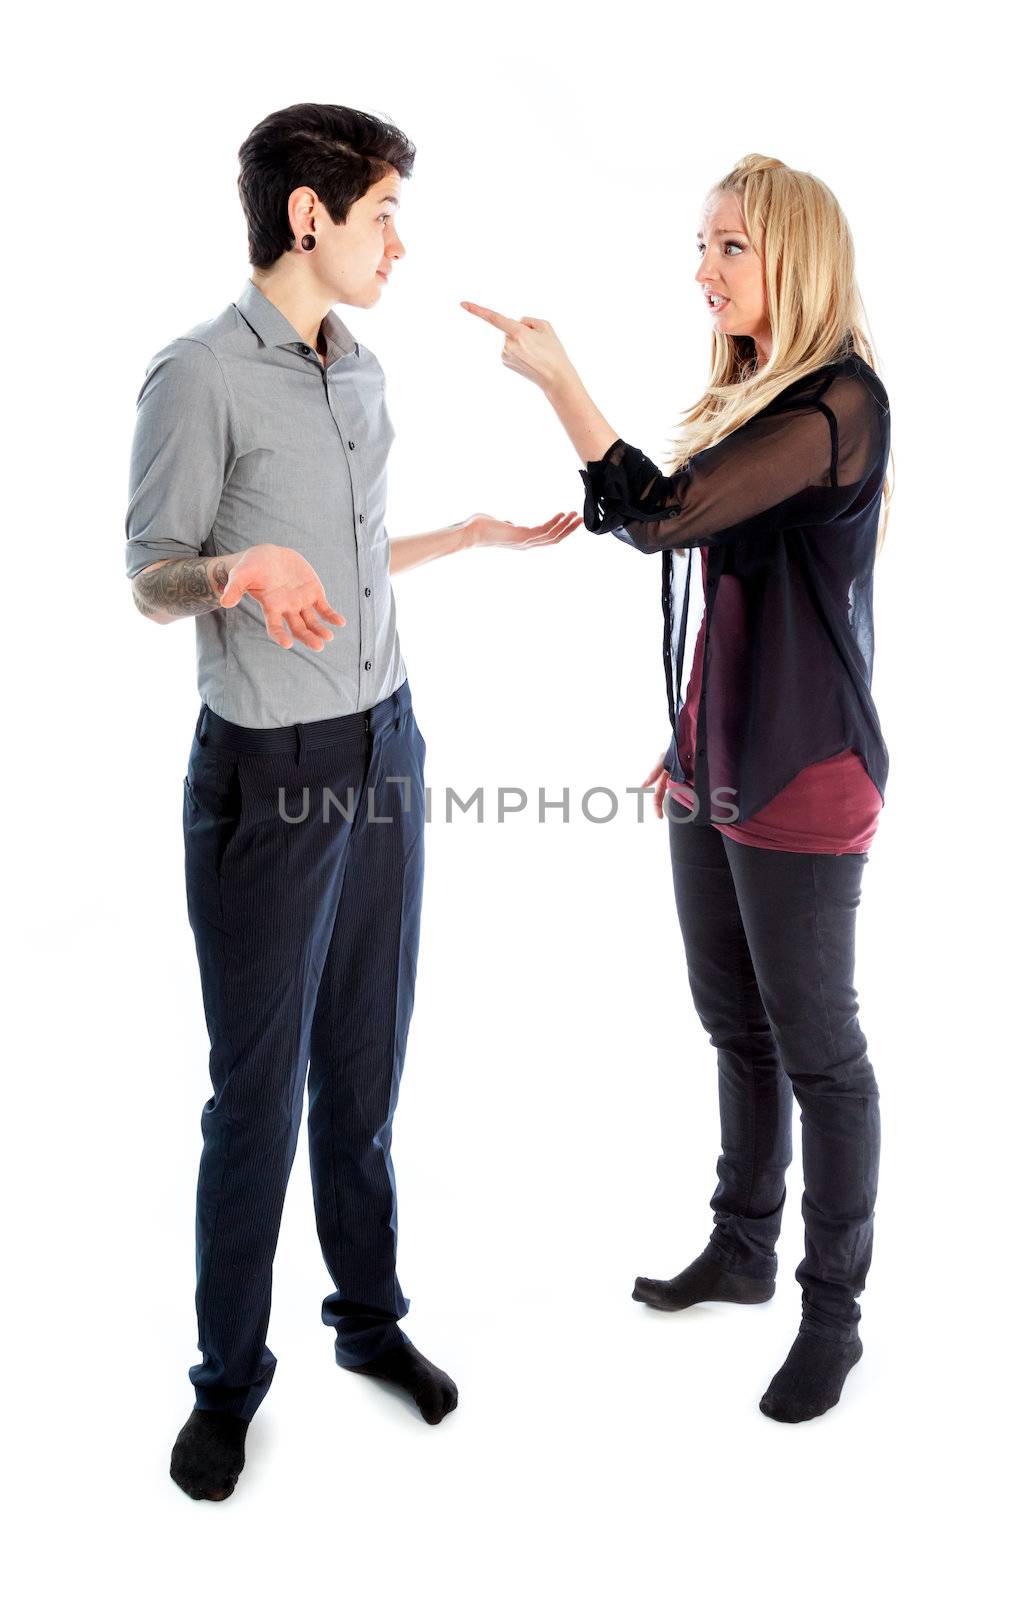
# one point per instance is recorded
(338, 152)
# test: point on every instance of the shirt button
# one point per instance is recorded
(304, 349)
(350, 444)
(367, 592)
(360, 516)
(367, 666)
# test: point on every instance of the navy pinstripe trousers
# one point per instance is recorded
(304, 852)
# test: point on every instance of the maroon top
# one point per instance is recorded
(829, 808)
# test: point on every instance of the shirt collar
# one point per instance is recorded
(273, 328)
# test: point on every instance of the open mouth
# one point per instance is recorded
(716, 303)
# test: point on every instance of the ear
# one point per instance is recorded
(302, 210)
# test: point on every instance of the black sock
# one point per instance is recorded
(811, 1379)
(704, 1279)
(435, 1393)
(209, 1454)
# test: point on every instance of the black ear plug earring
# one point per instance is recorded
(308, 241)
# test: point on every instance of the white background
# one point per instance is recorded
(557, 1129)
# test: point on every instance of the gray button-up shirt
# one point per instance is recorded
(243, 436)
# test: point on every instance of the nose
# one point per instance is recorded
(705, 273)
(395, 247)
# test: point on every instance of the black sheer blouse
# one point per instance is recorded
(787, 506)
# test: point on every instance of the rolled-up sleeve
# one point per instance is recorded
(182, 454)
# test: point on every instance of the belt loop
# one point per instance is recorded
(297, 735)
(201, 719)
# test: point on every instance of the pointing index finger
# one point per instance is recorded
(505, 324)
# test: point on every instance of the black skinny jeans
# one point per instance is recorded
(769, 937)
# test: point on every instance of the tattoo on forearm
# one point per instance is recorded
(182, 588)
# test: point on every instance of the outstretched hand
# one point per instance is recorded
(289, 593)
(487, 532)
(531, 347)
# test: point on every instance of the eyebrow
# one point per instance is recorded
(388, 199)
(726, 230)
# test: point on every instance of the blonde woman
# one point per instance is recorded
(772, 512)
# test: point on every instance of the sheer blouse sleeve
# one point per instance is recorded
(784, 469)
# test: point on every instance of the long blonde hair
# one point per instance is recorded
(814, 306)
